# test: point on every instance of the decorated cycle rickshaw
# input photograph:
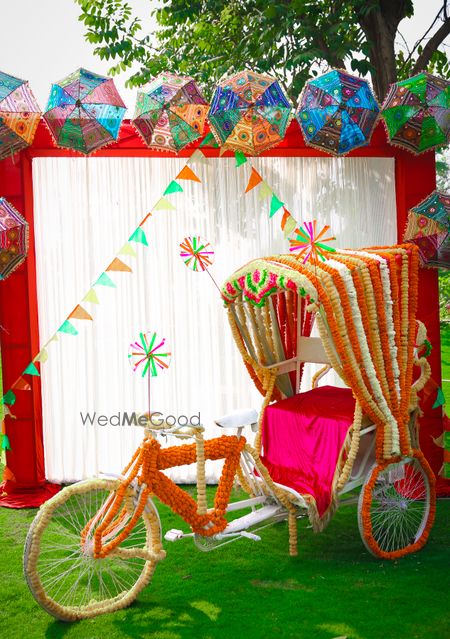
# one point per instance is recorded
(94, 546)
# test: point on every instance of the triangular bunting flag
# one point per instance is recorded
(163, 205)
(8, 475)
(118, 265)
(288, 223)
(440, 398)
(264, 190)
(104, 280)
(198, 156)
(54, 338)
(240, 158)
(127, 249)
(222, 150)
(80, 313)
(21, 385)
(138, 236)
(7, 412)
(67, 327)
(91, 296)
(173, 187)
(31, 370)
(275, 205)
(210, 140)
(254, 180)
(42, 356)
(5, 442)
(187, 173)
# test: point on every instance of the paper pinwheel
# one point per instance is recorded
(308, 244)
(337, 112)
(19, 115)
(13, 239)
(249, 113)
(148, 355)
(84, 111)
(170, 112)
(196, 253)
(428, 226)
(416, 112)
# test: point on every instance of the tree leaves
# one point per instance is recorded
(208, 38)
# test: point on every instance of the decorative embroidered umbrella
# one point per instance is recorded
(13, 239)
(84, 111)
(170, 112)
(428, 226)
(337, 112)
(19, 115)
(416, 112)
(249, 113)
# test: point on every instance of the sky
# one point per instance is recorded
(45, 41)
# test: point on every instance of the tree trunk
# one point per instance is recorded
(380, 26)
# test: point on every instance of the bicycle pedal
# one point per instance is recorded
(249, 535)
(174, 535)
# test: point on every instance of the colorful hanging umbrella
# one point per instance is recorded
(13, 239)
(148, 354)
(337, 112)
(84, 111)
(416, 112)
(170, 112)
(19, 115)
(249, 113)
(428, 226)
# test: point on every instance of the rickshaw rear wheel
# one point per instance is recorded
(396, 506)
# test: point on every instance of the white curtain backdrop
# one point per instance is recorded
(85, 209)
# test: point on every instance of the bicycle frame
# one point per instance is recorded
(113, 523)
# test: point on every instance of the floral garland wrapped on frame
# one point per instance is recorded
(365, 304)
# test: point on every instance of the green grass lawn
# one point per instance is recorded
(254, 590)
(445, 359)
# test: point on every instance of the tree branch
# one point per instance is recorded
(431, 46)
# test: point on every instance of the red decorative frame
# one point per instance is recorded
(19, 333)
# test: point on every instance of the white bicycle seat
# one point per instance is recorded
(238, 419)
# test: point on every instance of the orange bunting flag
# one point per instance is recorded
(288, 223)
(8, 475)
(187, 173)
(80, 313)
(118, 265)
(21, 384)
(254, 180)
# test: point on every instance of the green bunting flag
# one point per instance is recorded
(209, 140)
(138, 236)
(67, 327)
(275, 205)
(240, 158)
(105, 280)
(31, 370)
(5, 442)
(440, 398)
(9, 398)
(173, 187)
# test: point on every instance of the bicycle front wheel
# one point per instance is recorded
(71, 584)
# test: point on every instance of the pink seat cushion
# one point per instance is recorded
(302, 438)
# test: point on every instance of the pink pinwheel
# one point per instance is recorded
(307, 242)
(147, 354)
